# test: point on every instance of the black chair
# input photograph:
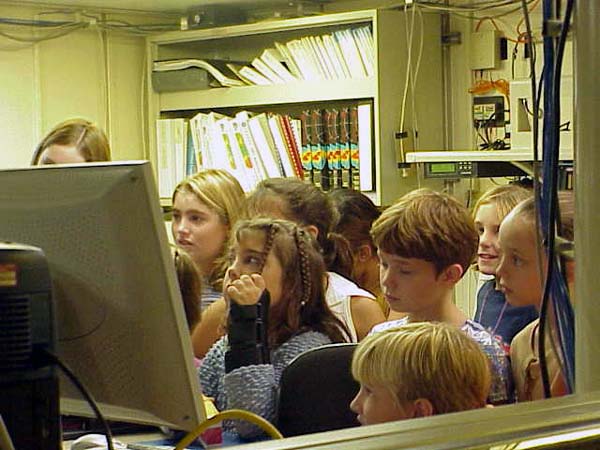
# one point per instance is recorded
(316, 389)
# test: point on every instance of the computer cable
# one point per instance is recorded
(229, 414)
(85, 393)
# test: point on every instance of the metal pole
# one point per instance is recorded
(587, 203)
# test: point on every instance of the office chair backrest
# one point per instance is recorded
(316, 389)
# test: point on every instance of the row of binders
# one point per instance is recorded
(342, 54)
(328, 147)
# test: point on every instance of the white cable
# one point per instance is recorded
(407, 81)
(104, 47)
(5, 440)
(414, 78)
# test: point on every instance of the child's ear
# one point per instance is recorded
(364, 253)
(312, 230)
(422, 407)
(452, 273)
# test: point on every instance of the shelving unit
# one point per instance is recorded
(384, 90)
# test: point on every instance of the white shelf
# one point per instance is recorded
(299, 92)
(477, 155)
(267, 26)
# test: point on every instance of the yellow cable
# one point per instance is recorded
(225, 415)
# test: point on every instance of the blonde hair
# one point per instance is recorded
(434, 361)
(428, 225)
(89, 140)
(504, 198)
(222, 193)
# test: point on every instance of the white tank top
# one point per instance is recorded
(338, 294)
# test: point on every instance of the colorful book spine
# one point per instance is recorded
(291, 146)
(354, 150)
(305, 154)
(344, 144)
(333, 154)
(318, 152)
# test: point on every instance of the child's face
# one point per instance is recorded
(374, 404)
(518, 273)
(487, 224)
(247, 258)
(198, 229)
(410, 285)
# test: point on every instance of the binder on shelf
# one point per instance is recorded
(251, 167)
(216, 68)
(305, 153)
(191, 166)
(365, 49)
(350, 53)
(344, 144)
(273, 59)
(171, 154)
(319, 155)
(290, 144)
(320, 60)
(278, 138)
(259, 127)
(289, 60)
(252, 75)
(365, 146)
(235, 68)
(240, 125)
(335, 55)
(266, 71)
(306, 66)
(237, 163)
(330, 124)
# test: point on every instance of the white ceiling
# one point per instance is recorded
(175, 6)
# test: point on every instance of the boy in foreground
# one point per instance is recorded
(415, 371)
(426, 242)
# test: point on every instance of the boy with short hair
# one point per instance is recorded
(414, 371)
(426, 242)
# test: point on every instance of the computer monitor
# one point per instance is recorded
(120, 319)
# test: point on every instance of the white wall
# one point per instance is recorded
(45, 83)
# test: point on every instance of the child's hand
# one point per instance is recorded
(246, 290)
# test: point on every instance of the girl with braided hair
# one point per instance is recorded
(277, 310)
(309, 207)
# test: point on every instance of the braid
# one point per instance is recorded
(299, 236)
(273, 229)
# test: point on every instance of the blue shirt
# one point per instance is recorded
(498, 316)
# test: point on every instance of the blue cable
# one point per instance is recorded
(555, 290)
(561, 301)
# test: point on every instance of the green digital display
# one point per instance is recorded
(442, 168)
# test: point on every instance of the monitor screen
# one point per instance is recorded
(119, 316)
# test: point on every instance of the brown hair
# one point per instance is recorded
(89, 140)
(306, 205)
(425, 360)
(505, 198)
(222, 193)
(357, 214)
(302, 306)
(190, 286)
(428, 225)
